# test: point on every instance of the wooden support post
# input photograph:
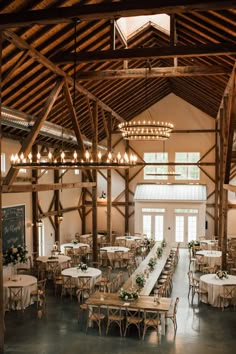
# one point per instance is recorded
(173, 36)
(94, 188)
(83, 209)
(216, 221)
(225, 229)
(2, 312)
(57, 207)
(109, 184)
(127, 194)
(35, 208)
(221, 175)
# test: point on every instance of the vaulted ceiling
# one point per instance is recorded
(38, 50)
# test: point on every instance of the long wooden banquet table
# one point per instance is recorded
(153, 275)
(142, 303)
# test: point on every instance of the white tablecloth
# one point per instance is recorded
(90, 272)
(29, 284)
(214, 286)
(74, 245)
(212, 258)
(111, 250)
(129, 240)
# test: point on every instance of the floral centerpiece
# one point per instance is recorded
(152, 262)
(15, 254)
(140, 280)
(149, 243)
(83, 267)
(128, 294)
(74, 241)
(221, 274)
(193, 243)
(159, 252)
(163, 243)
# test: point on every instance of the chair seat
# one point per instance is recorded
(134, 320)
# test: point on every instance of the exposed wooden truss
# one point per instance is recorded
(199, 50)
(152, 73)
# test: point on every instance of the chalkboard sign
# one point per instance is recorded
(13, 226)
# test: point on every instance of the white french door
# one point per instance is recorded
(153, 224)
(186, 221)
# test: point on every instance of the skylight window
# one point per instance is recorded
(129, 25)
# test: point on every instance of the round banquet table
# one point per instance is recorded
(29, 284)
(74, 245)
(209, 244)
(129, 240)
(85, 237)
(74, 272)
(212, 258)
(214, 287)
(111, 250)
(60, 259)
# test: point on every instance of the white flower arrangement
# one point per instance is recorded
(140, 280)
(74, 241)
(15, 254)
(159, 252)
(221, 274)
(152, 262)
(128, 294)
(193, 243)
(83, 267)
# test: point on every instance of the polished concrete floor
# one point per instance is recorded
(201, 329)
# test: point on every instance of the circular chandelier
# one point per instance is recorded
(146, 130)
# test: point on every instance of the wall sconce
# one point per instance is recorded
(103, 195)
(39, 223)
(60, 217)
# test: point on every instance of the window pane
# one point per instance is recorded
(192, 228)
(159, 227)
(179, 228)
(155, 157)
(3, 162)
(153, 210)
(187, 172)
(147, 225)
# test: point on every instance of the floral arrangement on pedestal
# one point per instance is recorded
(159, 252)
(163, 243)
(83, 267)
(193, 243)
(221, 274)
(140, 280)
(15, 254)
(152, 262)
(128, 294)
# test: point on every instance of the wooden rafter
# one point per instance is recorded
(108, 10)
(30, 139)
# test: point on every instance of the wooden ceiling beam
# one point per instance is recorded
(108, 10)
(180, 51)
(23, 188)
(153, 72)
